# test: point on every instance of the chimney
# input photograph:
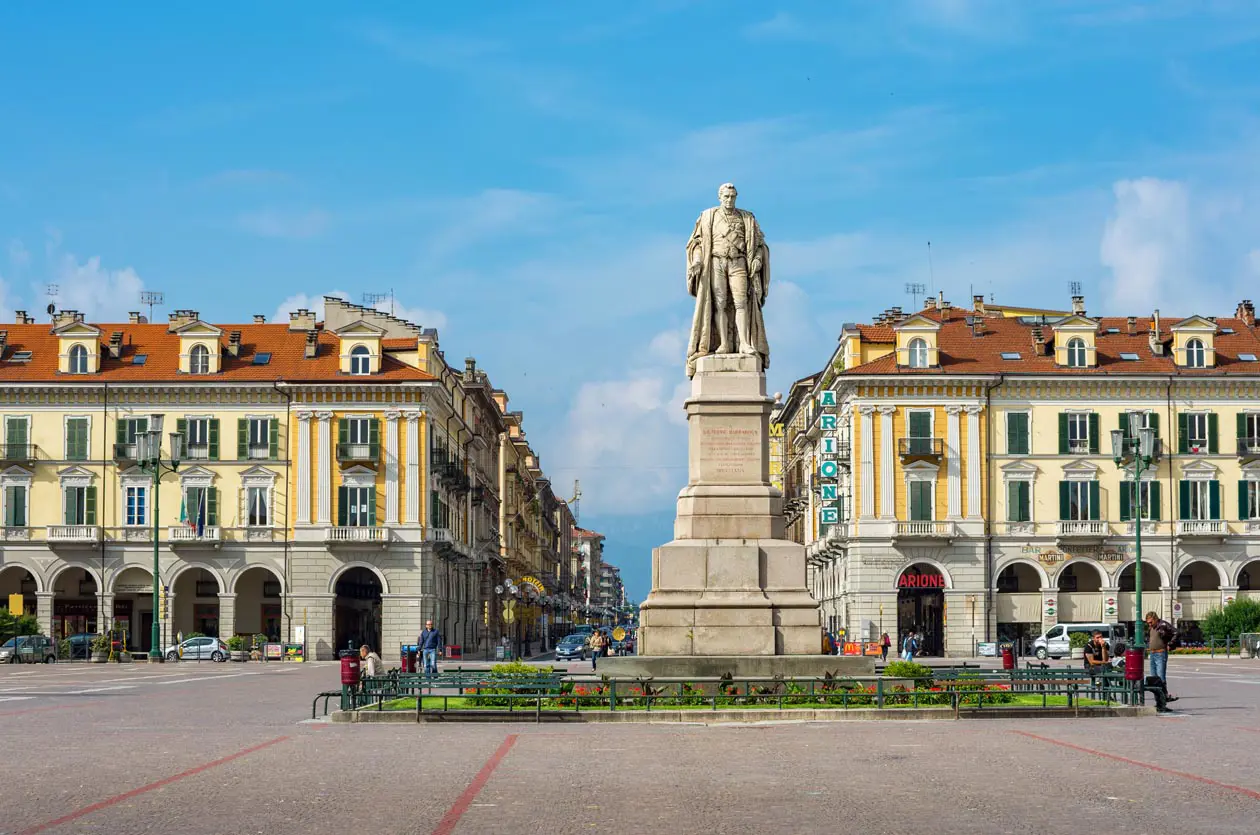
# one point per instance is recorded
(302, 320)
(260, 319)
(940, 300)
(1078, 305)
(134, 317)
(312, 342)
(470, 368)
(895, 314)
(1157, 342)
(4, 337)
(66, 317)
(180, 318)
(1132, 325)
(115, 344)
(1040, 348)
(234, 343)
(977, 304)
(23, 319)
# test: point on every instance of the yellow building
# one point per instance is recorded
(338, 485)
(958, 478)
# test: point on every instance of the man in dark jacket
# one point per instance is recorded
(429, 643)
(1161, 639)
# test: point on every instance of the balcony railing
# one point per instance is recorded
(259, 452)
(1201, 527)
(16, 534)
(182, 534)
(925, 530)
(124, 452)
(356, 452)
(1086, 527)
(1078, 447)
(440, 535)
(921, 448)
(72, 534)
(357, 533)
(1249, 448)
(25, 453)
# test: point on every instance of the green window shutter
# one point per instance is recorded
(1012, 501)
(920, 424)
(372, 507)
(1124, 423)
(273, 440)
(1126, 501)
(120, 435)
(76, 439)
(342, 499)
(242, 438)
(1242, 425)
(1183, 434)
(1017, 433)
(374, 438)
(1213, 434)
(1094, 432)
(1242, 500)
(1095, 501)
(343, 431)
(1152, 421)
(1063, 434)
(1214, 499)
(1065, 501)
(212, 505)
(214, 439)
(1155, 510)
(1185, 501)
(89, 506)
(181, 426)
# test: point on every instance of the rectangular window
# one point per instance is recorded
(259, 438)
(357, 430)
(258, 513)
(1079, 501)
(200, 507)
(128, 431)
(359, 508)
(1249, 432)
(920, 432)
(1017, 439)
(1200, 500)
(1078, 433)
(15, 506)
(1250, 503)
(135, 506)
(1148, 491)
(80, 506)
(198, 438)
(1197, 432)
(921, 509)
(1018, 501)
(16, 435)
(77, 445)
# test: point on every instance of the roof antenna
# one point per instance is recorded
(915, 289)
(152, 298)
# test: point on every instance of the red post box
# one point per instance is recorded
(350, 670)
(1008, 658)
(1134, 664)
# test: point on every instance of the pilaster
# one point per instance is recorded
(323, 512)
(414, 456)
(953, 464)
(44, 611)
(887, 455)
(868, 461)
(974, 475)
(304, 469)
(391, 467)
(227, 614)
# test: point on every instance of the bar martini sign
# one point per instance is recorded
(828, 465)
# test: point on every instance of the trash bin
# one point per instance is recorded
(407, 658)
(1008, 657)
(1134, 664)
(454, 651)
(350, 669)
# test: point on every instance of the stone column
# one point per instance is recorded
(323, 512)
(887, 455)
(44, 611)
(303, 516)
(227, 615)
(974, 476)
(318, 612)
(391, 467)
(415, 455)
(104, 610)
(953, 465)
(868, 462)
(168, 624)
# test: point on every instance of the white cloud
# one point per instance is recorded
(302, 300)
(102, 294)
(423, 317)
(1147, 244)
(287, 224)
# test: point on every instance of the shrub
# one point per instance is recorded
(908, 669)
(1243, 615)
(1078, 640)
(259, 641)
(63, 648)
(491, 696)
(20, 625)
(100, 643)
(235, 644)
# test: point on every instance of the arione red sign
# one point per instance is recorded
(920, 581)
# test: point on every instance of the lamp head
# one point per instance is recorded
(155, 423)
(1117, 445)
(1146, 442)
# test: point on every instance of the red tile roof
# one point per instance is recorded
(161, 349)
(963, 353)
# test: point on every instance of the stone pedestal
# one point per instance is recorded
(729, 584)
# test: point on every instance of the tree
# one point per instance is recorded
(21, 625)
(1243, 615)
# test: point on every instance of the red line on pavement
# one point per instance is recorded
(451, 819)
(1255, 795)
(96, 807)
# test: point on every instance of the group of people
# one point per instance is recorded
(1161, 638)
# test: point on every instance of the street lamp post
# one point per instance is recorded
(149, 458)
(1140, 452)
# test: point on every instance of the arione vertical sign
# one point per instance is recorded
(828, 465)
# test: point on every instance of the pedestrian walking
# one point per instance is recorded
(599, 643)
(909, 646)
(429, 643)
(1161, 639)
(884, 644)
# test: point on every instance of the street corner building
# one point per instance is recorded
(339, 484)
(951, 471)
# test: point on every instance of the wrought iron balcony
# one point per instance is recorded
(18, 453)
(921, 449)
(1248, 449)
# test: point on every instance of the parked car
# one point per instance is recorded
(198, 649)
(29, 649)
(1057, 641)
(572, 647)
(81, 645)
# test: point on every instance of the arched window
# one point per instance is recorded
(1076, 353)
(199, 360)
(360, 360)
(1196, 355)
(78, 360)
(918, 353)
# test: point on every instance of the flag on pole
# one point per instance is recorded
(183, 508)
(201, 512)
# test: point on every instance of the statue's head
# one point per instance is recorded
(727, 195)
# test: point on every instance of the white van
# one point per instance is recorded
(1056, 643)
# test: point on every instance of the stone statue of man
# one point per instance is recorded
(728, 271)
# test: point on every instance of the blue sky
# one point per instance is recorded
(524, 178)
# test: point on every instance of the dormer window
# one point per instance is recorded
(199, 360)
(78, 360)
(360, 360)
(1196, 354)
(1076, 353)
(918, 351)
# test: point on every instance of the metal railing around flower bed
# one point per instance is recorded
(481, 693)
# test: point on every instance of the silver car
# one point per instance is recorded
(198, 649)
(31, 649)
